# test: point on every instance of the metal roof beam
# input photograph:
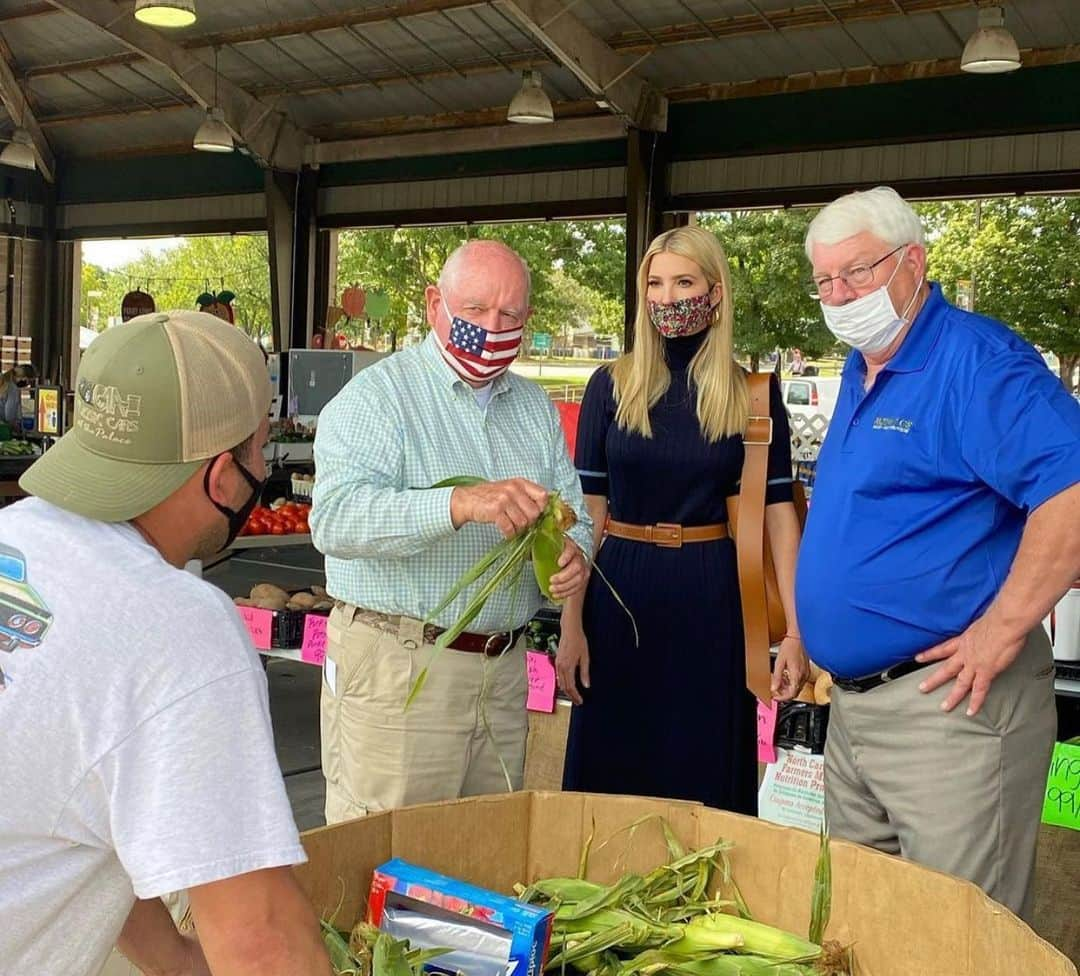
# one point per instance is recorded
(270, 134)
(837, 14)
(446, 123)
(487, 138)
(27, 10)
(852, 77)
(600, 69)
(16, 105)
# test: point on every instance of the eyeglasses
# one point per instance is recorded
(858, 276)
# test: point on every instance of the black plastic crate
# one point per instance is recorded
(801, 725)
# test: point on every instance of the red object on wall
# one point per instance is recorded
(568, 414)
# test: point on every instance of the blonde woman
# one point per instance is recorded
(660, 445)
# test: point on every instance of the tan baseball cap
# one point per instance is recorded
(154, 399)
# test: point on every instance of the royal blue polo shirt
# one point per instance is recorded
(923, 486)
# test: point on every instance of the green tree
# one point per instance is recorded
(1018, 261)
(576, 269)
(93, 294)
(176, 278)
(769, 270)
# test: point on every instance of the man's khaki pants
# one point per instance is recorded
(963, 795)
(454, 740)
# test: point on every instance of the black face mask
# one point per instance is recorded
(237, 519)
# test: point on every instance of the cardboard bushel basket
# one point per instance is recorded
(903, 919)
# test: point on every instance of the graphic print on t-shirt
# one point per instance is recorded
(24, 618)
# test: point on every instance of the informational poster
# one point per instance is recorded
(793, 790)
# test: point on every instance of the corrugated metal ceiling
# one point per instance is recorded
(466, 59)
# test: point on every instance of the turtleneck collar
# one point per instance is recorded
(681, 350)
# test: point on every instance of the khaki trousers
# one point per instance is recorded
(467, 722)
(963, 795)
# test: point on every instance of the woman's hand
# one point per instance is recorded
(572, 662)
(791, 670)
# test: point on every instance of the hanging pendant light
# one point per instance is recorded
(214, 135)
(530, 105)
(20, 151)
(991, 49)
(165, 13)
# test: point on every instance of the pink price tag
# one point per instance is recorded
(541, 682)
(766, 731)
(260, 624)
(313, 649)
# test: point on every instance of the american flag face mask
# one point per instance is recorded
(477, 354)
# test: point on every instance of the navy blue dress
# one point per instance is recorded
(672, 716)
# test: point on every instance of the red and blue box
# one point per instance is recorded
(517, 935)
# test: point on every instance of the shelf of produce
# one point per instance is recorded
(271, 541)
(1066, 686)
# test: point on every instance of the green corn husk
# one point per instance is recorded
(821, 899)
(668, 921)
(542, 543)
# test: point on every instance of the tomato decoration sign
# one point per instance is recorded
(219, 305)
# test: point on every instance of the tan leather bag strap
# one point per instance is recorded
(750, 538)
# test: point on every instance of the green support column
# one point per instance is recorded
(646, 192)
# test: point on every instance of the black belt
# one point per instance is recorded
(881, 677)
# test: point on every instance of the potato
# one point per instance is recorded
(243, 601)
(302, 601)
(318, 590)
(270, 592)
(324, 605)
(823, 689)
(270, 602)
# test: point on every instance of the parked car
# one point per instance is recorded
(810, 395)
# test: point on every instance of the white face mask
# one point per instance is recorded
(870, 323)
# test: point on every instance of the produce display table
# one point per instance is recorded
(271, 541)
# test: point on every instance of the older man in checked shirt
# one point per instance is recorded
(393, 549)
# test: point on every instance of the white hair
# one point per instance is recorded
(452, 267)
(881, 211)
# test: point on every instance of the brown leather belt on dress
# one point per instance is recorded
(491, 645)
(666, 534)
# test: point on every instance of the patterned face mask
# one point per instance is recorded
(682, 317)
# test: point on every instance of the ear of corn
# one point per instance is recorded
(757, 937)
(667, 922)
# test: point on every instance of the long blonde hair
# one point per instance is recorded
(642, 376)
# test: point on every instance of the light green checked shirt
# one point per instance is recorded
(407, 422)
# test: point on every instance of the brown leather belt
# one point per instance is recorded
(491, 645)
(666, 534)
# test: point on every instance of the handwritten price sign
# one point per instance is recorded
(260, 624)
(313, 648)
(1061, 805)
(766, 731)
(541, 682)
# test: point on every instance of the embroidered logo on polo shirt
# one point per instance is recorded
(894, 423)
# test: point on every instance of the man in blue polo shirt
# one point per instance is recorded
(944, 525)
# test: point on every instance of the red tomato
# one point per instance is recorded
(277, 529)
(303, 528)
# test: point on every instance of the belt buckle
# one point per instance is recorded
(748, 439)
(667, 535)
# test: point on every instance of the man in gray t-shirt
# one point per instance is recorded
(135, 732)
